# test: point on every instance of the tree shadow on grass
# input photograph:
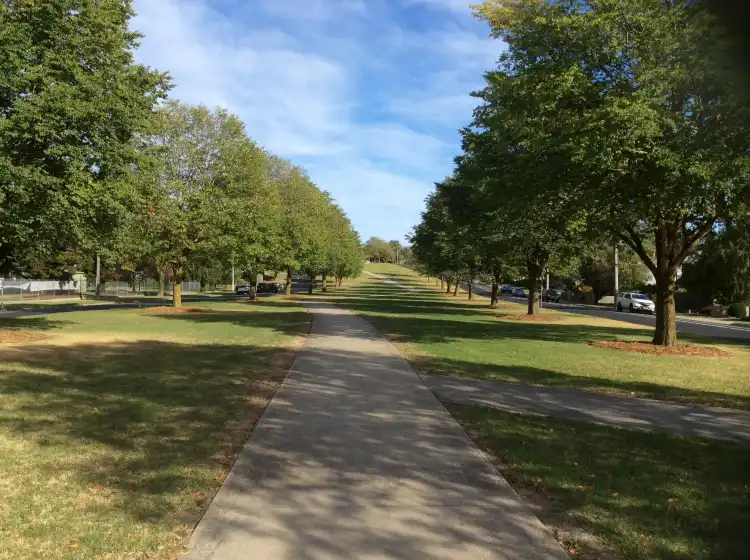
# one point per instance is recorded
(31, 323)
(648, 495)
(162, 415)
(550, 378)
(170, 416)
(291, 323)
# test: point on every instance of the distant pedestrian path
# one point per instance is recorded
(625, 412)
(356, 458)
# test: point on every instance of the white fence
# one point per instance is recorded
(23, 289)
(19, 289)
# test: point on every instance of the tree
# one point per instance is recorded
(396, 247)
(71, 100)
(205, 194)
(636, 97)
(304, 206)
(524, 185)
(377, 249)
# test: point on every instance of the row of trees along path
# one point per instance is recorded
(615, 120)
(97, 163)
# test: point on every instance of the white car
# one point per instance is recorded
(635, 303)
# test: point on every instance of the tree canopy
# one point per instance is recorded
(603, 119)
(96, 161)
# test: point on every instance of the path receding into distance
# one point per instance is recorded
(356, 458)
(614, 410)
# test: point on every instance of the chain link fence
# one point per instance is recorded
(14, 290)
(24, 289)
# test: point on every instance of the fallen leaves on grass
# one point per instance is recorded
(18, 337)
(653, 349)
(169, 309)
(532, 318)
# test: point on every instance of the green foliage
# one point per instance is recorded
(721, 269)
(71, 100)
(621, 115)
(376, 249)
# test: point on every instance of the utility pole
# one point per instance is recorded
(617, 273)
(548, 278)
(98, 274)
(233, 287)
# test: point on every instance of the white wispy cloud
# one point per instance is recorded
(369, 106)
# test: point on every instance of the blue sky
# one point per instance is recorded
(368, 95)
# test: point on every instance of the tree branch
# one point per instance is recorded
(633, 240)
(691, 240)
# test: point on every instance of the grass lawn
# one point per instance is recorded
(34, 305)
(443, 334)
(117, 430)
(645, 496)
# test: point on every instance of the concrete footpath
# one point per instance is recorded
(624, 412)
(356, 458)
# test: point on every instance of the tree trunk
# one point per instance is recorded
(288, 288)
(448, 282)
(471, 289)
(177, 291)
(534, 270)
(162, 283)
(311, 286)
(442, 283)
(494, 298)
(325, 282)
(458, 284)
(666, 280)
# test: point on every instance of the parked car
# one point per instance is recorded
(520, 292)
(242, 289)
(269, 287)
(635, 303)
(506, 289)
(554, 296)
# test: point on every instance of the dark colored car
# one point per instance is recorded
(554, 296)
(520, 292)
(506, 289)
(263, 287)
(269, 287)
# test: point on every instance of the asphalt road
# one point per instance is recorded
(686, 326)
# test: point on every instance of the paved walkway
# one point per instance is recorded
(626, 412)
(356, 458)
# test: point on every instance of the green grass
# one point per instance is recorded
(117, 430)
(32, 305)
(449, 335)
(646, 496)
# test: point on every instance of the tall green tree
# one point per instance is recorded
(304, 226)
(206, 194)
(71, 100)
(637, 99)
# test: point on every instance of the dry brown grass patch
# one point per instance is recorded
(19, 337)
(532, 318)
(654, 350)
